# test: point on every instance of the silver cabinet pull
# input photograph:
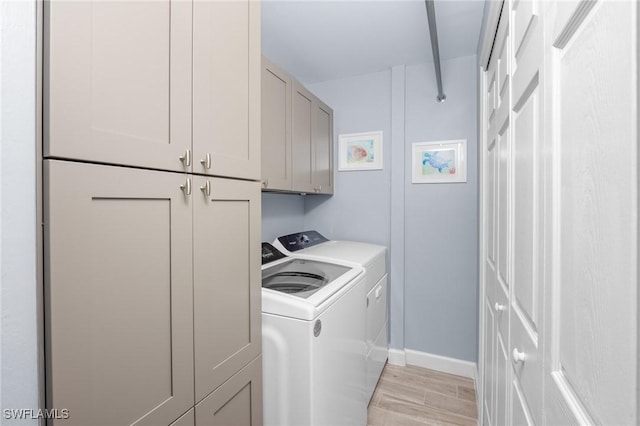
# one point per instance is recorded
(186, 158)
(186, 187)
(265, 183)
(206, 161)
(206, 188)
(499, 308)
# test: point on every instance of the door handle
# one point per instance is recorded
(206, 161)
(378, 292)
(206, 188)
(265, 183)
(186, 158)
(518, 356)
(499, 307)
(186, 187)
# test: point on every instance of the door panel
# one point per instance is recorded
(226, 88)
(276, 127)
(188, 419)
(227, 279)
(489, 380)
(302, 134)
(591, 376)
(490, 201)
(502, 381)
(520, 409)
(118, 293)
(118, 95)
(503, 220)
(236, 403)
(323, 148)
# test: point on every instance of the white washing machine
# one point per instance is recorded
(372, 257)
(313, 323)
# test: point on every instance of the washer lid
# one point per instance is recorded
(348, 251)
(301, 278)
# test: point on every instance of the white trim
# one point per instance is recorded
(477, 386)
(490, 20)
(482, 136)
(397, 357)
(440, 363)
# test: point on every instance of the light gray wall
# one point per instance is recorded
(441, 220)
(360, 208)
(282, 214)
(18, 295)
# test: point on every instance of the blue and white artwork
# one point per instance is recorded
(439, 162)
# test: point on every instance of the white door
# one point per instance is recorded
(526, 338)
(591, 284)
(497, 232)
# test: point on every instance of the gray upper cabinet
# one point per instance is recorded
(118, 288)
(227, 279)
(117, 82)
(276, 127)
(302, 131)
(322, 164)
(297, 136)
(226, 88)
(169, 85)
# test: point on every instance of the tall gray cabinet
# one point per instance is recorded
(152, 212)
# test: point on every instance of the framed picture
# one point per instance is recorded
(360, 151)
(439, 162)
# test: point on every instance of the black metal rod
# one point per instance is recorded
(433, 33)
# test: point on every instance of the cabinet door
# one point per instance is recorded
(187, 419)
(119, 299)
(276, 127)
(117, 82)
(236, 403)
(227, 279)
(226, 88)
(322, 148)
(302, 133)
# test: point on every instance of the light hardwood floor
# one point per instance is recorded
(417, 396)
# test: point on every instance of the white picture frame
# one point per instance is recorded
(439, 161)
(360, 151)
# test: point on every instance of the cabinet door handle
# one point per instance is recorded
(186, 187)
(186, 158)
(206, 188)
(265, 183)
(206, 161)
(320, 188)
(518, 356)
(499, 307)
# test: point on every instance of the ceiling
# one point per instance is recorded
(319, 40)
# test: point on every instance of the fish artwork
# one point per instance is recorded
(358, 152)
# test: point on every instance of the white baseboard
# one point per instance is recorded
(434, 362)
(397, 357)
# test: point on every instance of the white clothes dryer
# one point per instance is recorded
(313, 245)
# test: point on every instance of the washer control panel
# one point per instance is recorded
(301, 240)
(270, 253)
